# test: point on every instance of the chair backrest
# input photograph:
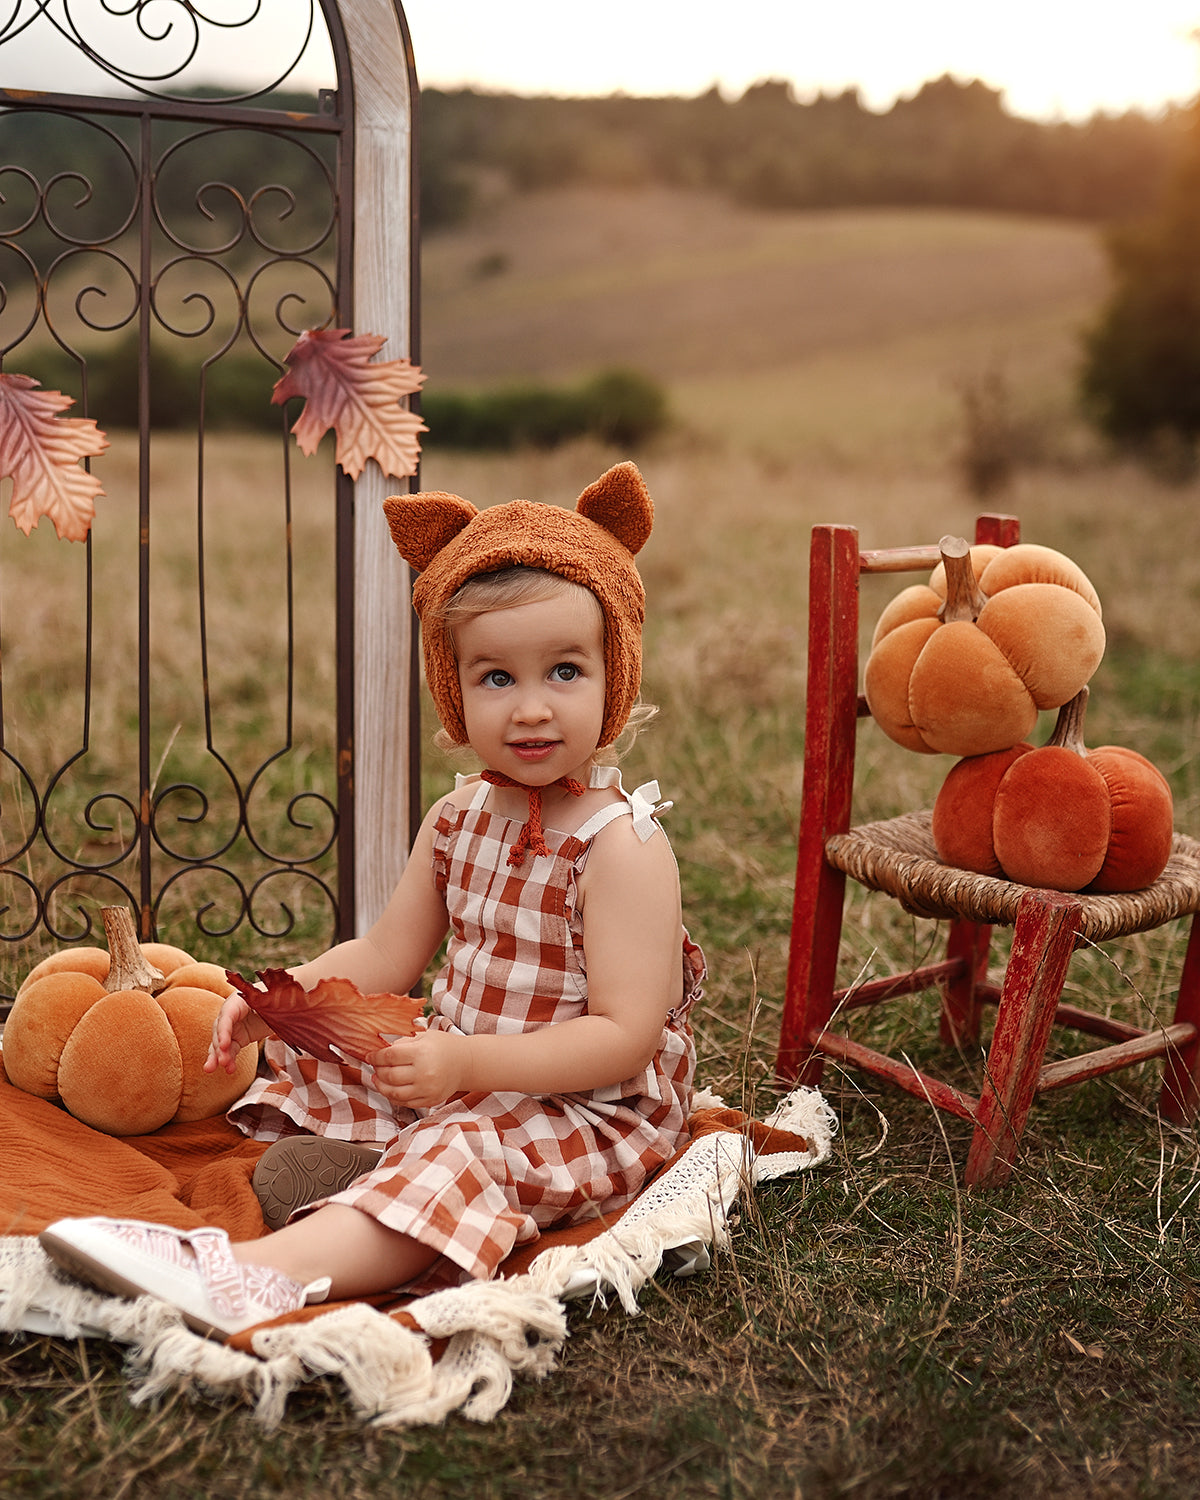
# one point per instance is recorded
(834, 704)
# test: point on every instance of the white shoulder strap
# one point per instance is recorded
(479, 795)
(602, 819)
(641, 804)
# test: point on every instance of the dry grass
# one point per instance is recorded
(871, 1331)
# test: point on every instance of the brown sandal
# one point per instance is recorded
(302, 1168)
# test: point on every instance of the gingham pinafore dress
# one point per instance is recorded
(484, 1172)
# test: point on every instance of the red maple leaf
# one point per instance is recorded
(334, 1014)
(40, 452)
(331, 370)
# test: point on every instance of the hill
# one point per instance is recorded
(829, 327)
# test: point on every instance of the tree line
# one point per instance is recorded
(952, 144)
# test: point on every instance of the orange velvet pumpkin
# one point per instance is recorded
(963, 665)
(1063, 817)
(86, 1029)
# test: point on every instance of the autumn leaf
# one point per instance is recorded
(331, 370)
(40, 453)
(334, 1014)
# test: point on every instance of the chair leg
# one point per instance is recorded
(1043, 941)
(970, 942)
(1180, 1096)
(830, 720)
(812, 974)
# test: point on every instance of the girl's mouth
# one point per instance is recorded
(532, 750)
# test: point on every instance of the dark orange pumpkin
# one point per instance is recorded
(1063, 817)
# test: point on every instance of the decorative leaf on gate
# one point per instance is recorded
(40, 451)
(330, 369)
(333, 1014)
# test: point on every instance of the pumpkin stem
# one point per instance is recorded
(964, 597)
(1068, 727)
(128, 966)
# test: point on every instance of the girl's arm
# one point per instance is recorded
(632, 944)
(393, 954)
(389, 958)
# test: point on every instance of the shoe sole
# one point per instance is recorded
(96, 1274)
(300, 1169)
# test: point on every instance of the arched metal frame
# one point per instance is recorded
(371, 119)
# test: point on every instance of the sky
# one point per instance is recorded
(1050, 58)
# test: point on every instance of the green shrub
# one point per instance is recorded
(619, 407)
(625, 407)
(237, 387)
(238, 393)
(513, 416)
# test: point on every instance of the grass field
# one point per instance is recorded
(871, 1331)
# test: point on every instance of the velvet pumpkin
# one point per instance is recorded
(120, 1036)
(1063, 817)
(962, 665)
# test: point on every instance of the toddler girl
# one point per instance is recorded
(554, 1075)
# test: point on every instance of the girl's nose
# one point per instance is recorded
(532, 708)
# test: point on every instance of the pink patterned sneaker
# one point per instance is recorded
(192, 1269)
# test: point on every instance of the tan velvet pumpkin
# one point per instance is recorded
(962, 665)
(86, 1029)
(1063, 817)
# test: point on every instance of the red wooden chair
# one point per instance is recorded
(898, 857)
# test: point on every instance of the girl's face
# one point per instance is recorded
(532, 680)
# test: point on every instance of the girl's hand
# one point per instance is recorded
(236, 1026)
(422, 1071)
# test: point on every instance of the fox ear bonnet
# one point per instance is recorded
(447, 540)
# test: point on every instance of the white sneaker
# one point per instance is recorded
(191, 1269)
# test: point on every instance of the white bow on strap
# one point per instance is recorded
(645, 806)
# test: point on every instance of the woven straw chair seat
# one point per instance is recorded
(898, 856)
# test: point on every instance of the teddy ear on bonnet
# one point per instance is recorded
(421, 525)
(620, 502)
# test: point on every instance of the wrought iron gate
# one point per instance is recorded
(196, 700)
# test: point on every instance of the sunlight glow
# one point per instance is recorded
(1051, 58)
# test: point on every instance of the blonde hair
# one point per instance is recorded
(509, 588)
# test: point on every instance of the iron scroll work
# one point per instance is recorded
(162, 245)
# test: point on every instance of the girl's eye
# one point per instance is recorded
(496, 679)
(566, 671)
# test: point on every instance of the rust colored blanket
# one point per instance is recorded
(403, 1361)
(55, 1167)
